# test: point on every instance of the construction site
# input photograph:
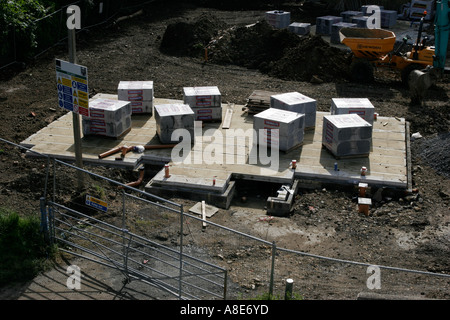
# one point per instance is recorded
(290, 134)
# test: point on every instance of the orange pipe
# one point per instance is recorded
(138, 181)
(124, 150)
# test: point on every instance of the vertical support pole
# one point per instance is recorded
(44, 218)
(181, 251)
(288, 290)
(272, 269)
(75, 116)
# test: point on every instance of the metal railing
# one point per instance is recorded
(151, 259)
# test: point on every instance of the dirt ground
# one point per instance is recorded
(410, 231)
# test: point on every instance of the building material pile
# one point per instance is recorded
(299, 103)
(170, 117)
(360, 106)
(347, 135)
(139, 94)
(281, 129)
(258, 101)
(206, 102)
(107, 117)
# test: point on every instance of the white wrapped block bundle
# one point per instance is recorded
(170, 117)
(298, 103)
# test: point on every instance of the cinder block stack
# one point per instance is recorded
(360, 21)
(206, 102)
(280, 128)
(360, 106)
(107, 117)
(347, 16)
(300, 28)
(170, 117)
(388, 18)
(335, 28)
(346, 135)
(419, 7)
(296, 102)
(323, 24)
(278, 18)
(139, 94)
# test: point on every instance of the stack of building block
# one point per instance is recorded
(360, 106)
(335, 28)
(206, 102)
(347, 16)
(360, 21)
(347, 135)
(419, 7)
(388, 18)
(302, 29)
(298, 103)
(170, 117)
(278, 19)
(139, 94)
(324, 24)
(107, 117)
(279, 129)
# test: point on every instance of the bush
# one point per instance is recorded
(16, 21)
(23, 249)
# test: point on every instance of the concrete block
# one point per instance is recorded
(360, 106)
(280, 128)
(103, 128)
(138, 93)
(202, 97)
(361, 22)
(347, 16)
(208, 114)
(388, 18)
(347, 135)
(278, 19)
(298, 103)
(323, 24)
(108, 110)
(300, 28)
(170, 117)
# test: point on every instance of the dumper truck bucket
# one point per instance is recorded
(368, 43)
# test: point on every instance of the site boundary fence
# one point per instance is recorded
(127, 249)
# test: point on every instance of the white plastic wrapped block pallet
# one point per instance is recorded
(300, 28)
(139, 93)
(296, 102)
(360, 106)
(323, 24)
(103, 128)
(279, 128)
(360, 21)
(202, 97)
(346, 135)
(108, 110)
(388, 18)
(208, 114)
(278, 19)
(170, 117)
(347, 16)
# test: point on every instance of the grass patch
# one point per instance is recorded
(23, 249)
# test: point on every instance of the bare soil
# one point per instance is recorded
(403, 230)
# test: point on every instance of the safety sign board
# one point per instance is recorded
(72, 83)
(96, 203)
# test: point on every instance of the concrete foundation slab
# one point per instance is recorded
(220, 156)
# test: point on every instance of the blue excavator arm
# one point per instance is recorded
(420, 80)
(442, 31)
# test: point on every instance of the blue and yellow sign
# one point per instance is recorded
(72, 84)
(96, 203)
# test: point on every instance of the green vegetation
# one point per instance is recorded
(23, 250)
(17, 20)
